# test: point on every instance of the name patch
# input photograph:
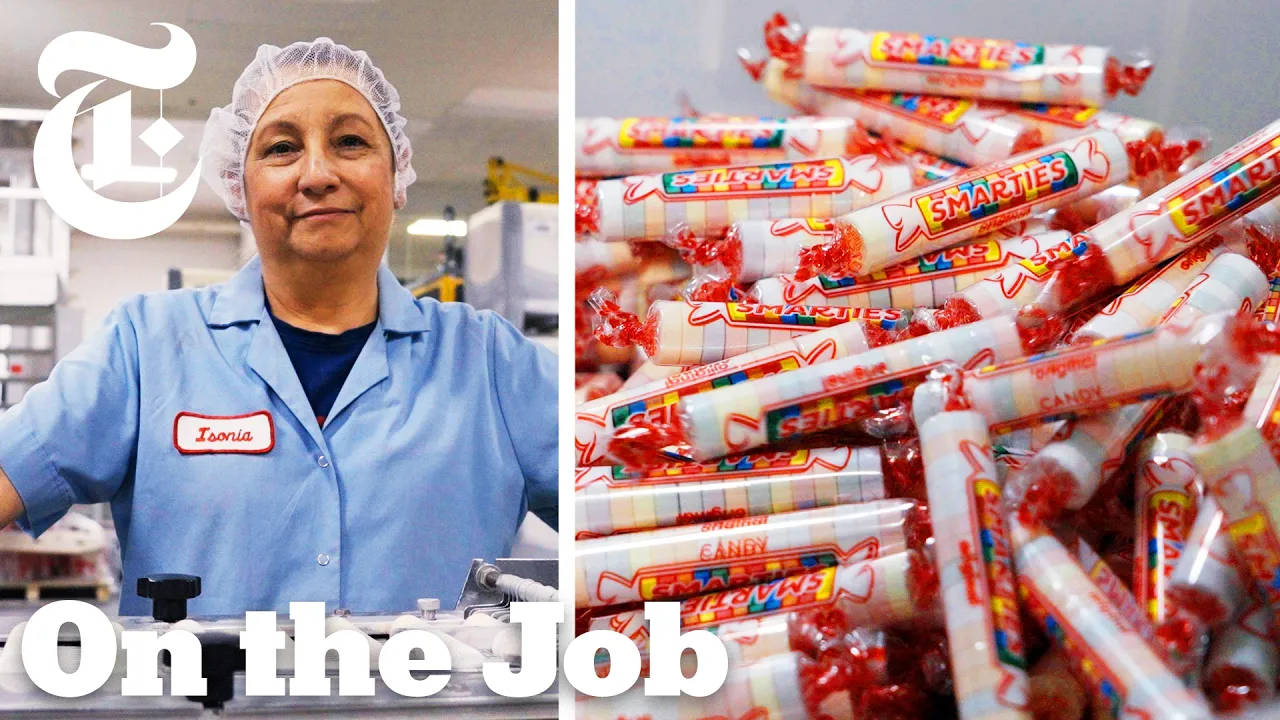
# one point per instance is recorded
(252, 434)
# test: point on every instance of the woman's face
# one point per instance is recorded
(319, 182)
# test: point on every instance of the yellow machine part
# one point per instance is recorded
(446, 288)
(504, 183)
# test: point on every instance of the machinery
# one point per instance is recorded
(503, 183)
(446, 283)
(476, 631)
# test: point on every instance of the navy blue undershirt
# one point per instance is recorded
(322, 361)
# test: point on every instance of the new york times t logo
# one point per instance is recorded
(66, 193)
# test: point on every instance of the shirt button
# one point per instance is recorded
(323, 559)
(323, 461)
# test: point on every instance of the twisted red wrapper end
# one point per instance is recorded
(819, 679)
(903, 468)
(780, 44)
(1038, 329)
(712, 289)
(1144, 158)
(1127, 76)
(922, 581)
(1174, 153)
(616, 327)
(956, 311)
(813, 630)
(1233, 688)
(639, 444)
(899, 701)
(1264, 247)
(586, 208)
(724, 251)
(1224, 377)
(754, 68)
(588, 281)
(842, 256)
(884, 146)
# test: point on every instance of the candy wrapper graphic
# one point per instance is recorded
(1132, 242)
(971, 204)
(608, 147)
(1082, 380)
(966, 67)
(996, 275)
(975, 565)
(1059, 122)
(1238, 467)
(1166, 491)
(679, 562)
(950, 127)
(837, 393)
(615, 499)
(597, 423)
(700, 333)
(883, 592)
(1125, 675)
(709, 200)
(1069, 471)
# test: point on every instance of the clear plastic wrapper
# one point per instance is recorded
(756, 249)
(1237, 464)
(1206, 580)
(815, 632)
(1243, 662)
(1159, 292)
(608, 147)
(1130, 243)
(959, 66)
(649, 372)
(818, 398)
(1078, 381)
(971, 204)
(946, 126)
(1125, 676)
(975, 564)
(1068, 472)
(1166, 490)
(780, 687)
(685, 333)
(1109, 583)
(882, 592)
(1014, 268)
(680, 562)
(614, 499)
(597, 423)
(709, 200)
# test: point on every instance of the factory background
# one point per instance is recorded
(478, 86)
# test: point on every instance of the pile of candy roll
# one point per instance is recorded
(943, 393)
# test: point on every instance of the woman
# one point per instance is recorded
(307, 431)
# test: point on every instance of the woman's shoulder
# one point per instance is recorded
(457, 317)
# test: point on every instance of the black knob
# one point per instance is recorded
(220, 658)
(169, 593)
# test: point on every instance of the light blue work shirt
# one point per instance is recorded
(442, 436)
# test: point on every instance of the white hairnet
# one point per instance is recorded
(226, 135)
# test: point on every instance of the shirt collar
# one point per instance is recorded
(242, 300)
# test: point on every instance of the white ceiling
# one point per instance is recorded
(436, 53)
